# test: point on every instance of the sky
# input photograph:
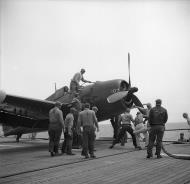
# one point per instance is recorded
(43, 42)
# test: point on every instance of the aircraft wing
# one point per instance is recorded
(25, 112)
(24, 101)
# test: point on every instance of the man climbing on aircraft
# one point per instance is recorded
(74, 85)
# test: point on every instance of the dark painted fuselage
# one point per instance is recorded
(32, 113)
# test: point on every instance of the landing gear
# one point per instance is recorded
(115, 124)
(19, 135)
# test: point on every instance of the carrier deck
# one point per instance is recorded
(30, 162)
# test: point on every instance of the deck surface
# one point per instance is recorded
(29, 162)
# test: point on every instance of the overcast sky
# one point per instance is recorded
(47, 41)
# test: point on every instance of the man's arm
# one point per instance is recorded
(79, 123)
(150, 117)
(86, 81)
(141, 109)
(96, 121)
(131, 117)
(61, 120)
(70, 120)
(119, 120)
(166, 116)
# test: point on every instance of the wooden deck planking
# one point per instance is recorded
(119, 167)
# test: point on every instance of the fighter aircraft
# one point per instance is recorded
(27, 115)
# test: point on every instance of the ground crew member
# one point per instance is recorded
(87, 120)
(186, 116)
(140, 128)
(96, 127)
(125, 120)
(56, 125)
(158, 116)
(77, 135)
(74, 85)
(145, 111)
(68, 134)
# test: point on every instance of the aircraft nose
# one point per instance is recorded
(2, 96)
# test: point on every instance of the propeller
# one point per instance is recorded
(128, 94)
(129, 70)
(121, 94)
(136, 101)
(117, 96)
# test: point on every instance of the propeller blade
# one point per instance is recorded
(136, 101)
(129, 70)
(116, 96)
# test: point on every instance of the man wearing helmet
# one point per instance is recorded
(74, 85)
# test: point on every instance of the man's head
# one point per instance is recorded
(95, 109)
(158, 102)
(72, 110)
(185, 115)
(127, 110)
(138, 113)
(65, 89)
(82, 71)
(87, 105)
(58, 104)
(148, 105)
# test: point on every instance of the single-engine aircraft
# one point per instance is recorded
(28, 115)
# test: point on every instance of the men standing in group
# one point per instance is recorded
(125, 120)
(158, 117)
(74, 85)
(87, 119)
(56, 125)
(68, 134)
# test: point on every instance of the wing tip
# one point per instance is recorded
(2, 96)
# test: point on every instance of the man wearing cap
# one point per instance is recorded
(158, 117)
(74, 85)
(56, 125)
